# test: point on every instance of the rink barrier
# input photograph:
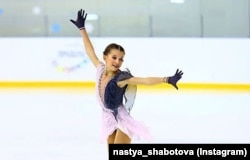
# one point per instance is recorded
(225, 87)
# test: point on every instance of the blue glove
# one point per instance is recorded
(175, 78)
(80, 21)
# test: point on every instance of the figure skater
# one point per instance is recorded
(116, 90)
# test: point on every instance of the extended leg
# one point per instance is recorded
(121, 138)
(111, 138)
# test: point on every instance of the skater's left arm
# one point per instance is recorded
(142, 81)
(153, 80)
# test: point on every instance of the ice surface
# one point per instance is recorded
(65, 125)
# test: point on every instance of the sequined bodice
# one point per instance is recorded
(103, 81)
(110, 95)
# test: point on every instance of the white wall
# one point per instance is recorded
(64, 59)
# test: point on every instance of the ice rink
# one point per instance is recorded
(65, 124)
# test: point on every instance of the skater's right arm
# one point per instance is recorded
(80, 23)
(89, 48)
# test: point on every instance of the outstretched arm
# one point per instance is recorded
(80, 24)
(89, 48)
(153, 80)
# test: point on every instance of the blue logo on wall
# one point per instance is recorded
(69, 60)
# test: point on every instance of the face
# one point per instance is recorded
(114, 60)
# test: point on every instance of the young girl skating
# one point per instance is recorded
(114, 85)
